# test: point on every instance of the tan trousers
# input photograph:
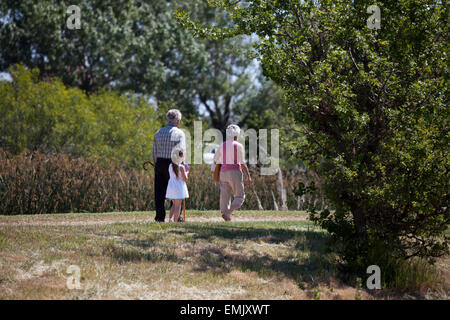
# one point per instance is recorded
(231, 183)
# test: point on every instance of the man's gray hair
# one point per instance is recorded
(173, 116)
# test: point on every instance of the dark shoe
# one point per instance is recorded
(180, 219)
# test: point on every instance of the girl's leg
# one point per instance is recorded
(171, 211)
(175, 210)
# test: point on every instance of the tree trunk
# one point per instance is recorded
(275, 205)
(282, 191)
(359, 218)
(260, 207)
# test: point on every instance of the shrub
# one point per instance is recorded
(47, 116)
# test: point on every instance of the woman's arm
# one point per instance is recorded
(247, 173)
(241, 159)
(218, 156)
(184, 174)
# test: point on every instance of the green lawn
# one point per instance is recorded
(279, 255)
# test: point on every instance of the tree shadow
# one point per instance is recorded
(269, 235)
(308, 262)
(314, 268)
(215, 249)
(132, 254)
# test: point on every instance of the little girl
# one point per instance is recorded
(177, 189)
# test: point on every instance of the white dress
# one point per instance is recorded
(176, 188)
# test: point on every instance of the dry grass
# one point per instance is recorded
(280, 256)
(79, 219)
(36, 183)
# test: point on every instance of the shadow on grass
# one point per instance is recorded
(130, 254)
(307, 263)
(314, 269)
(233, 232)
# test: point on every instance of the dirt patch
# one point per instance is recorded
(46, 281)
(12, 257)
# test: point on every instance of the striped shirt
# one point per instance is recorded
(165, 140)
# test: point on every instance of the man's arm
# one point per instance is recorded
(182, 140)
(154, 149)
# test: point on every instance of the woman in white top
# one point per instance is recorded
(177, 189)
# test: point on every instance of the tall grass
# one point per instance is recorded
(399, 274)
(411, 275)
(36, 183)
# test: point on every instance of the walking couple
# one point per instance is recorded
(171, 174)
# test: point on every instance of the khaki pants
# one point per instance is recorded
(231, 183)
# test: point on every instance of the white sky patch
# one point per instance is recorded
(4, 76)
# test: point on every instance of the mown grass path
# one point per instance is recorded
(77, 219)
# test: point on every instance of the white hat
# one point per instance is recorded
(233, 131)
(177, 155)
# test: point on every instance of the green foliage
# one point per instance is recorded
(228, 81)
(132, 46)
(358, 294)
(372, 106)
(47, 116)
(406, 275)
(128, 44)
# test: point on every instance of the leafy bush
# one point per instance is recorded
(47, 116)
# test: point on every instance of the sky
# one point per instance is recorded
(5, 76)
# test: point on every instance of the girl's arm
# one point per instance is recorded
(184, 174)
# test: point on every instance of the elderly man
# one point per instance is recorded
(231, 156)
(164, 141)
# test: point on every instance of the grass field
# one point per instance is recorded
(258, 255)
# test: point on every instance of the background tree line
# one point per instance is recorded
(137, 47)
(103, 90)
